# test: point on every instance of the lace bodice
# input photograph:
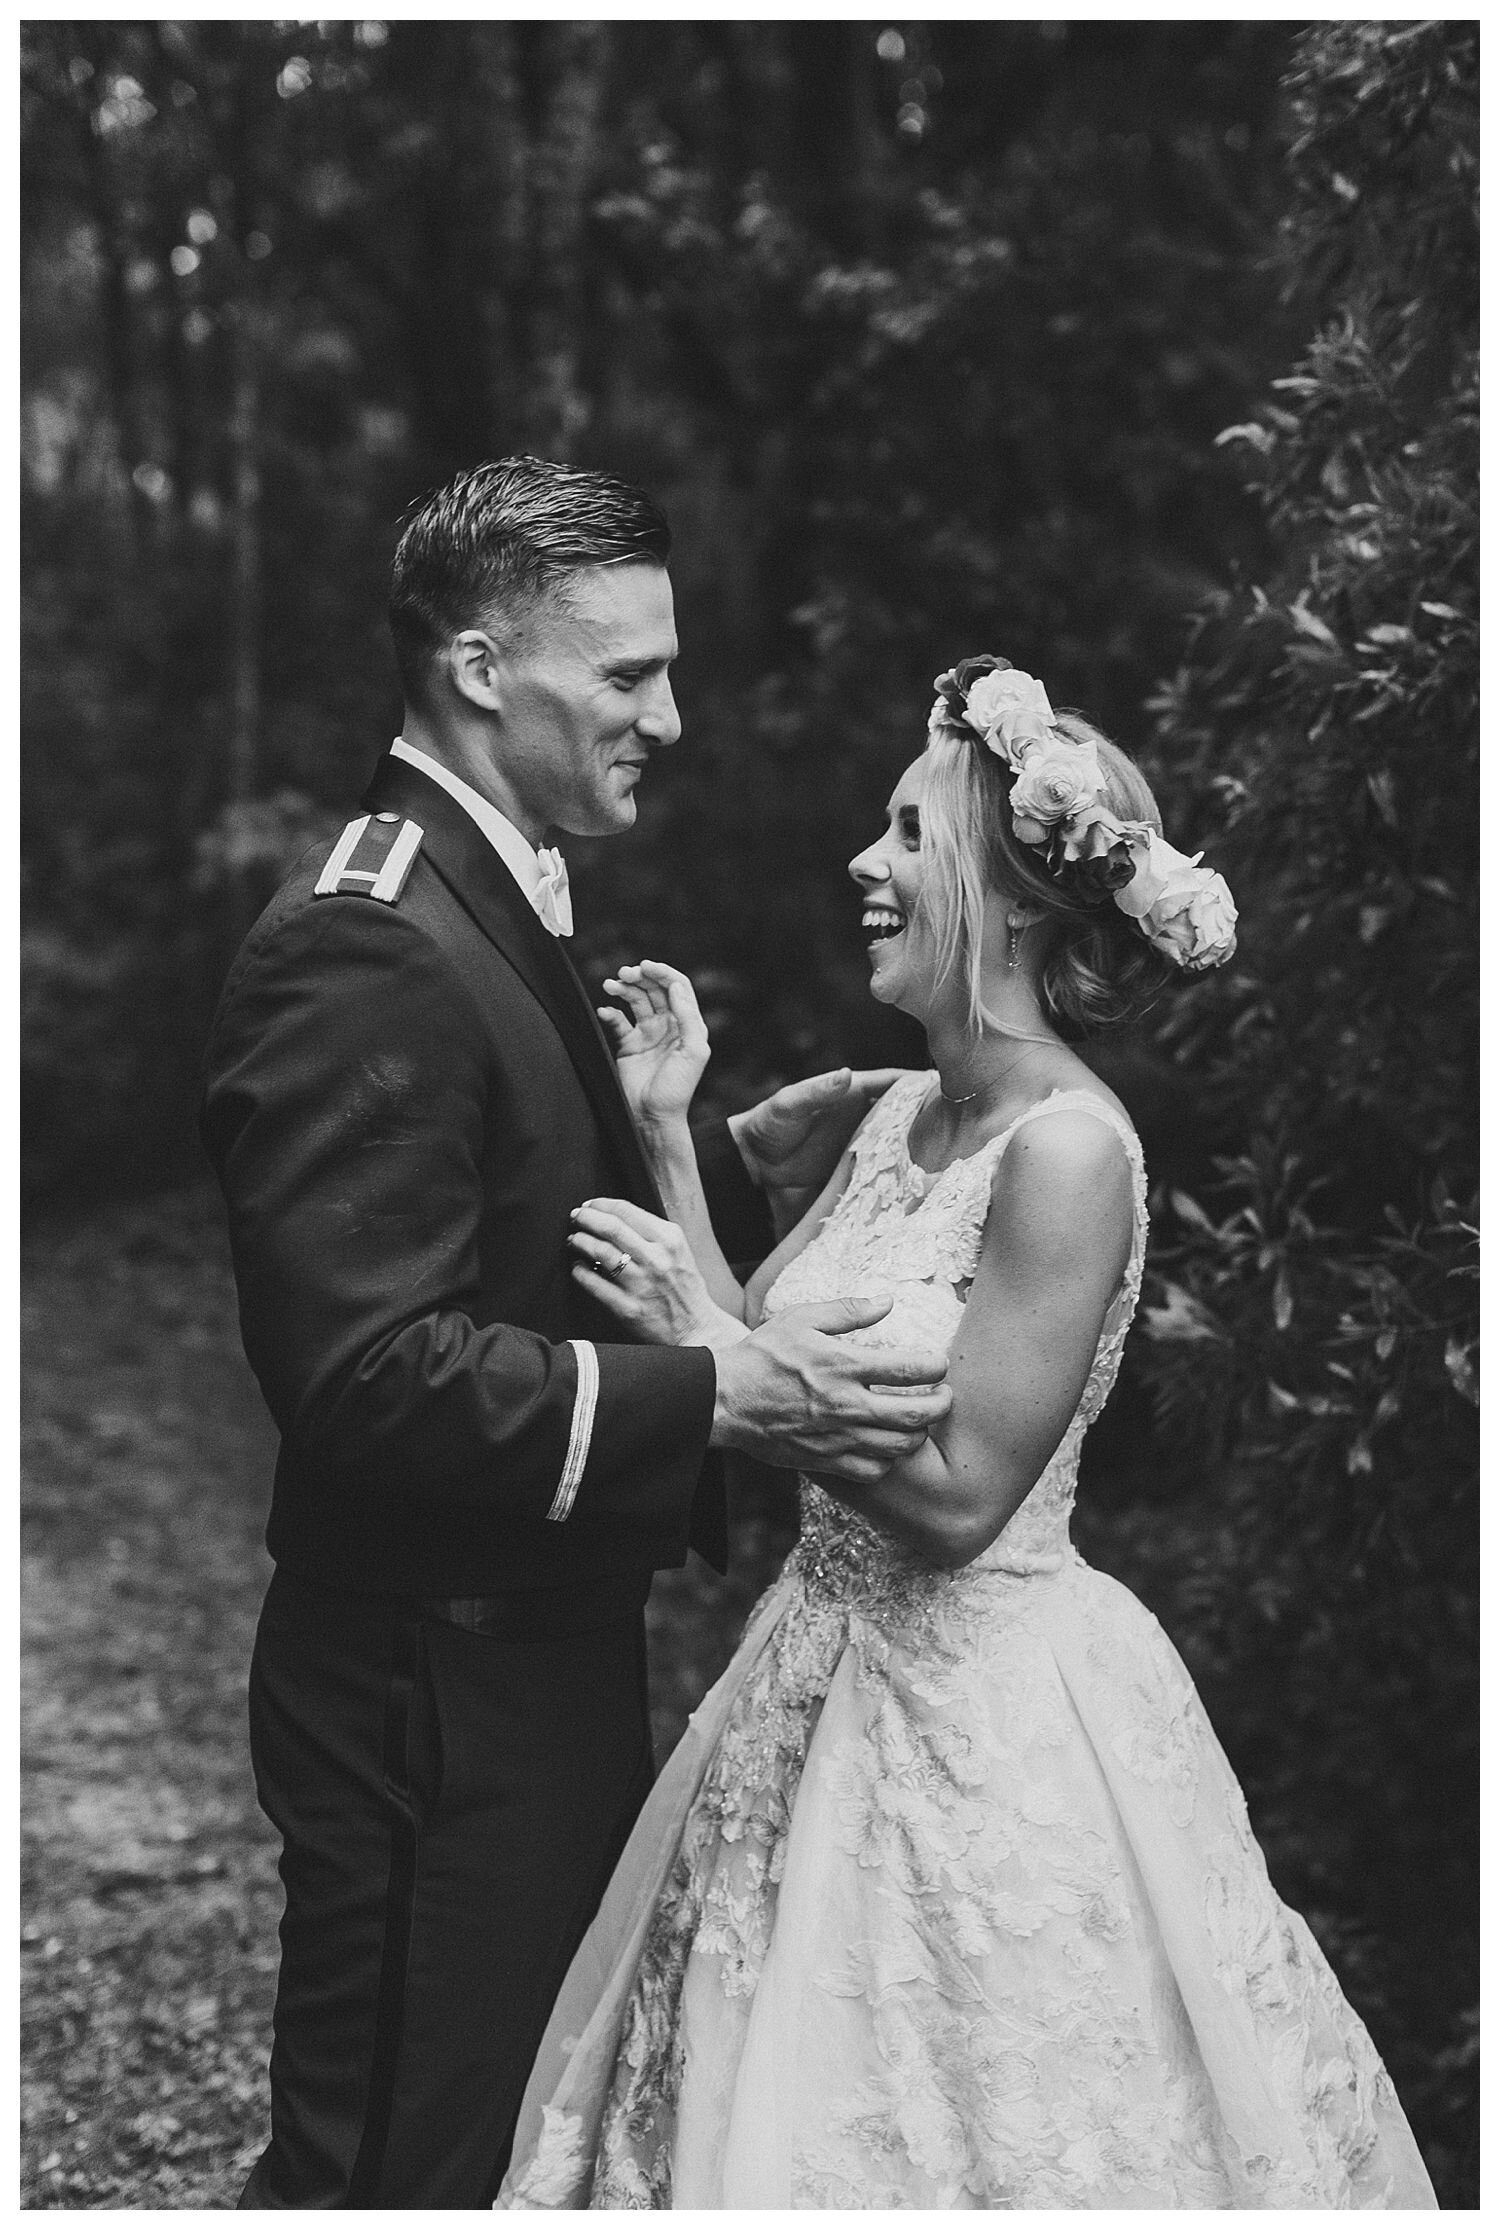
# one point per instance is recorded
(896, 1229)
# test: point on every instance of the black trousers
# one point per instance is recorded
(451, 1806)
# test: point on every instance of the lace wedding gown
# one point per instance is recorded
(948, 1896)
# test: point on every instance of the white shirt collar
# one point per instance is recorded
(518, 855)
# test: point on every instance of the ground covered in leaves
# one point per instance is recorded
(149, 1890)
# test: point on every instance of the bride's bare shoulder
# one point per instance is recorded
(1063, 1194)
(1070, 1153)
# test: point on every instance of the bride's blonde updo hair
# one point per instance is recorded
(1096, 968)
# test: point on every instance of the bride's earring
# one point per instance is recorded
(1014, 934)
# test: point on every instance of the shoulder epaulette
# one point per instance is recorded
(372, 859)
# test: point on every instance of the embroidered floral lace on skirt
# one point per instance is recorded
(949, 1898)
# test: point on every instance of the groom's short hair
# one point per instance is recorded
(492, 544)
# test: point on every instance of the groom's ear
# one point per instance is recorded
(477, 668)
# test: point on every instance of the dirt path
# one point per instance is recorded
(149, 1892)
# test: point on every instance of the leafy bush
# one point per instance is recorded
(1313, 1320)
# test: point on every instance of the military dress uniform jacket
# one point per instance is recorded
(404, 1101)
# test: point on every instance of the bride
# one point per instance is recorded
(948, 1896)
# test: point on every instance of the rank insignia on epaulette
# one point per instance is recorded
(372, 859)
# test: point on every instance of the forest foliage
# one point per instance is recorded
(1143, 353)
(922, 335)
(1314, 1333)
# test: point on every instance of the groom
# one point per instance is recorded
(407, 1092)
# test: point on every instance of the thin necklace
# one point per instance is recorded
(962, 1099)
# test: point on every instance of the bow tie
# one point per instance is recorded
(550, 898)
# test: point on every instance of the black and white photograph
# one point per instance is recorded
(749, 954)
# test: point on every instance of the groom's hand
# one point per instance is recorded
(793, 1394)
(791, 1142)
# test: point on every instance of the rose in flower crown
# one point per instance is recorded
(1057, 808)
(1053, 786)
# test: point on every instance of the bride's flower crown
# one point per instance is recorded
(1184, 910)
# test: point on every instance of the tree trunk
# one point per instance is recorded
(179, 383)
(119, 334)
(503, 163)
(563, 166)
(245, 598)
(535, 183)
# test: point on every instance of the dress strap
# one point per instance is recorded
(1089, 1103)
(1086, 1103)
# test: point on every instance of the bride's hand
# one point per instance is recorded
(660, 1044)
(643, 1271)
